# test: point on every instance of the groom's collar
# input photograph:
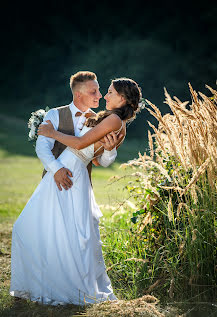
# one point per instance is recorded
(74, 109)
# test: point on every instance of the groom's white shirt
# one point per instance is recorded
(44, 145)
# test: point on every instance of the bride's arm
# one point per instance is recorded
(109, 124)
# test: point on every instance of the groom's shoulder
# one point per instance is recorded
(60, 107)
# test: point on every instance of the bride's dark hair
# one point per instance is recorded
(130, 90)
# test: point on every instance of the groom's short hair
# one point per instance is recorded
(81, 77)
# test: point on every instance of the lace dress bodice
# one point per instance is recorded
(87, 154)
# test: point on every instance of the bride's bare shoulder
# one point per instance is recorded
(113, 120)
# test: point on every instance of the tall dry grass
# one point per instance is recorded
(189, 135)
(175, 189)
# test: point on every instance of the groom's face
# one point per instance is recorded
(90, 94)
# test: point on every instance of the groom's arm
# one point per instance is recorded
(44, 145)
(111, 141)
(110, 153)
(107, 158)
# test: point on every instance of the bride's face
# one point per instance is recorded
(113, 99)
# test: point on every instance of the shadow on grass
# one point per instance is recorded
(14, 140)
(29, 309)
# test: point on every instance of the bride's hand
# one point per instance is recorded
(46, 129)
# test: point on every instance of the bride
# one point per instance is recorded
(56, 249)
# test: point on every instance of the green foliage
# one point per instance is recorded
(176, 236)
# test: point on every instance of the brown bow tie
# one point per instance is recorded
(87, 115)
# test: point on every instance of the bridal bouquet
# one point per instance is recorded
(35, 120)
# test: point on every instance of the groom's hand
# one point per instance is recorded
(62, 178)
(111, 140)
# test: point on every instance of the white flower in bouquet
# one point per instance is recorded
(35, 120)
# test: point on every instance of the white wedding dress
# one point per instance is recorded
(56, 249)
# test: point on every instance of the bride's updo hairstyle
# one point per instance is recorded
(131, 92)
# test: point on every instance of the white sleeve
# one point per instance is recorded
(44, 145)
(107, 157)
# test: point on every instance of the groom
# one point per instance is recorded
(70, 120)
